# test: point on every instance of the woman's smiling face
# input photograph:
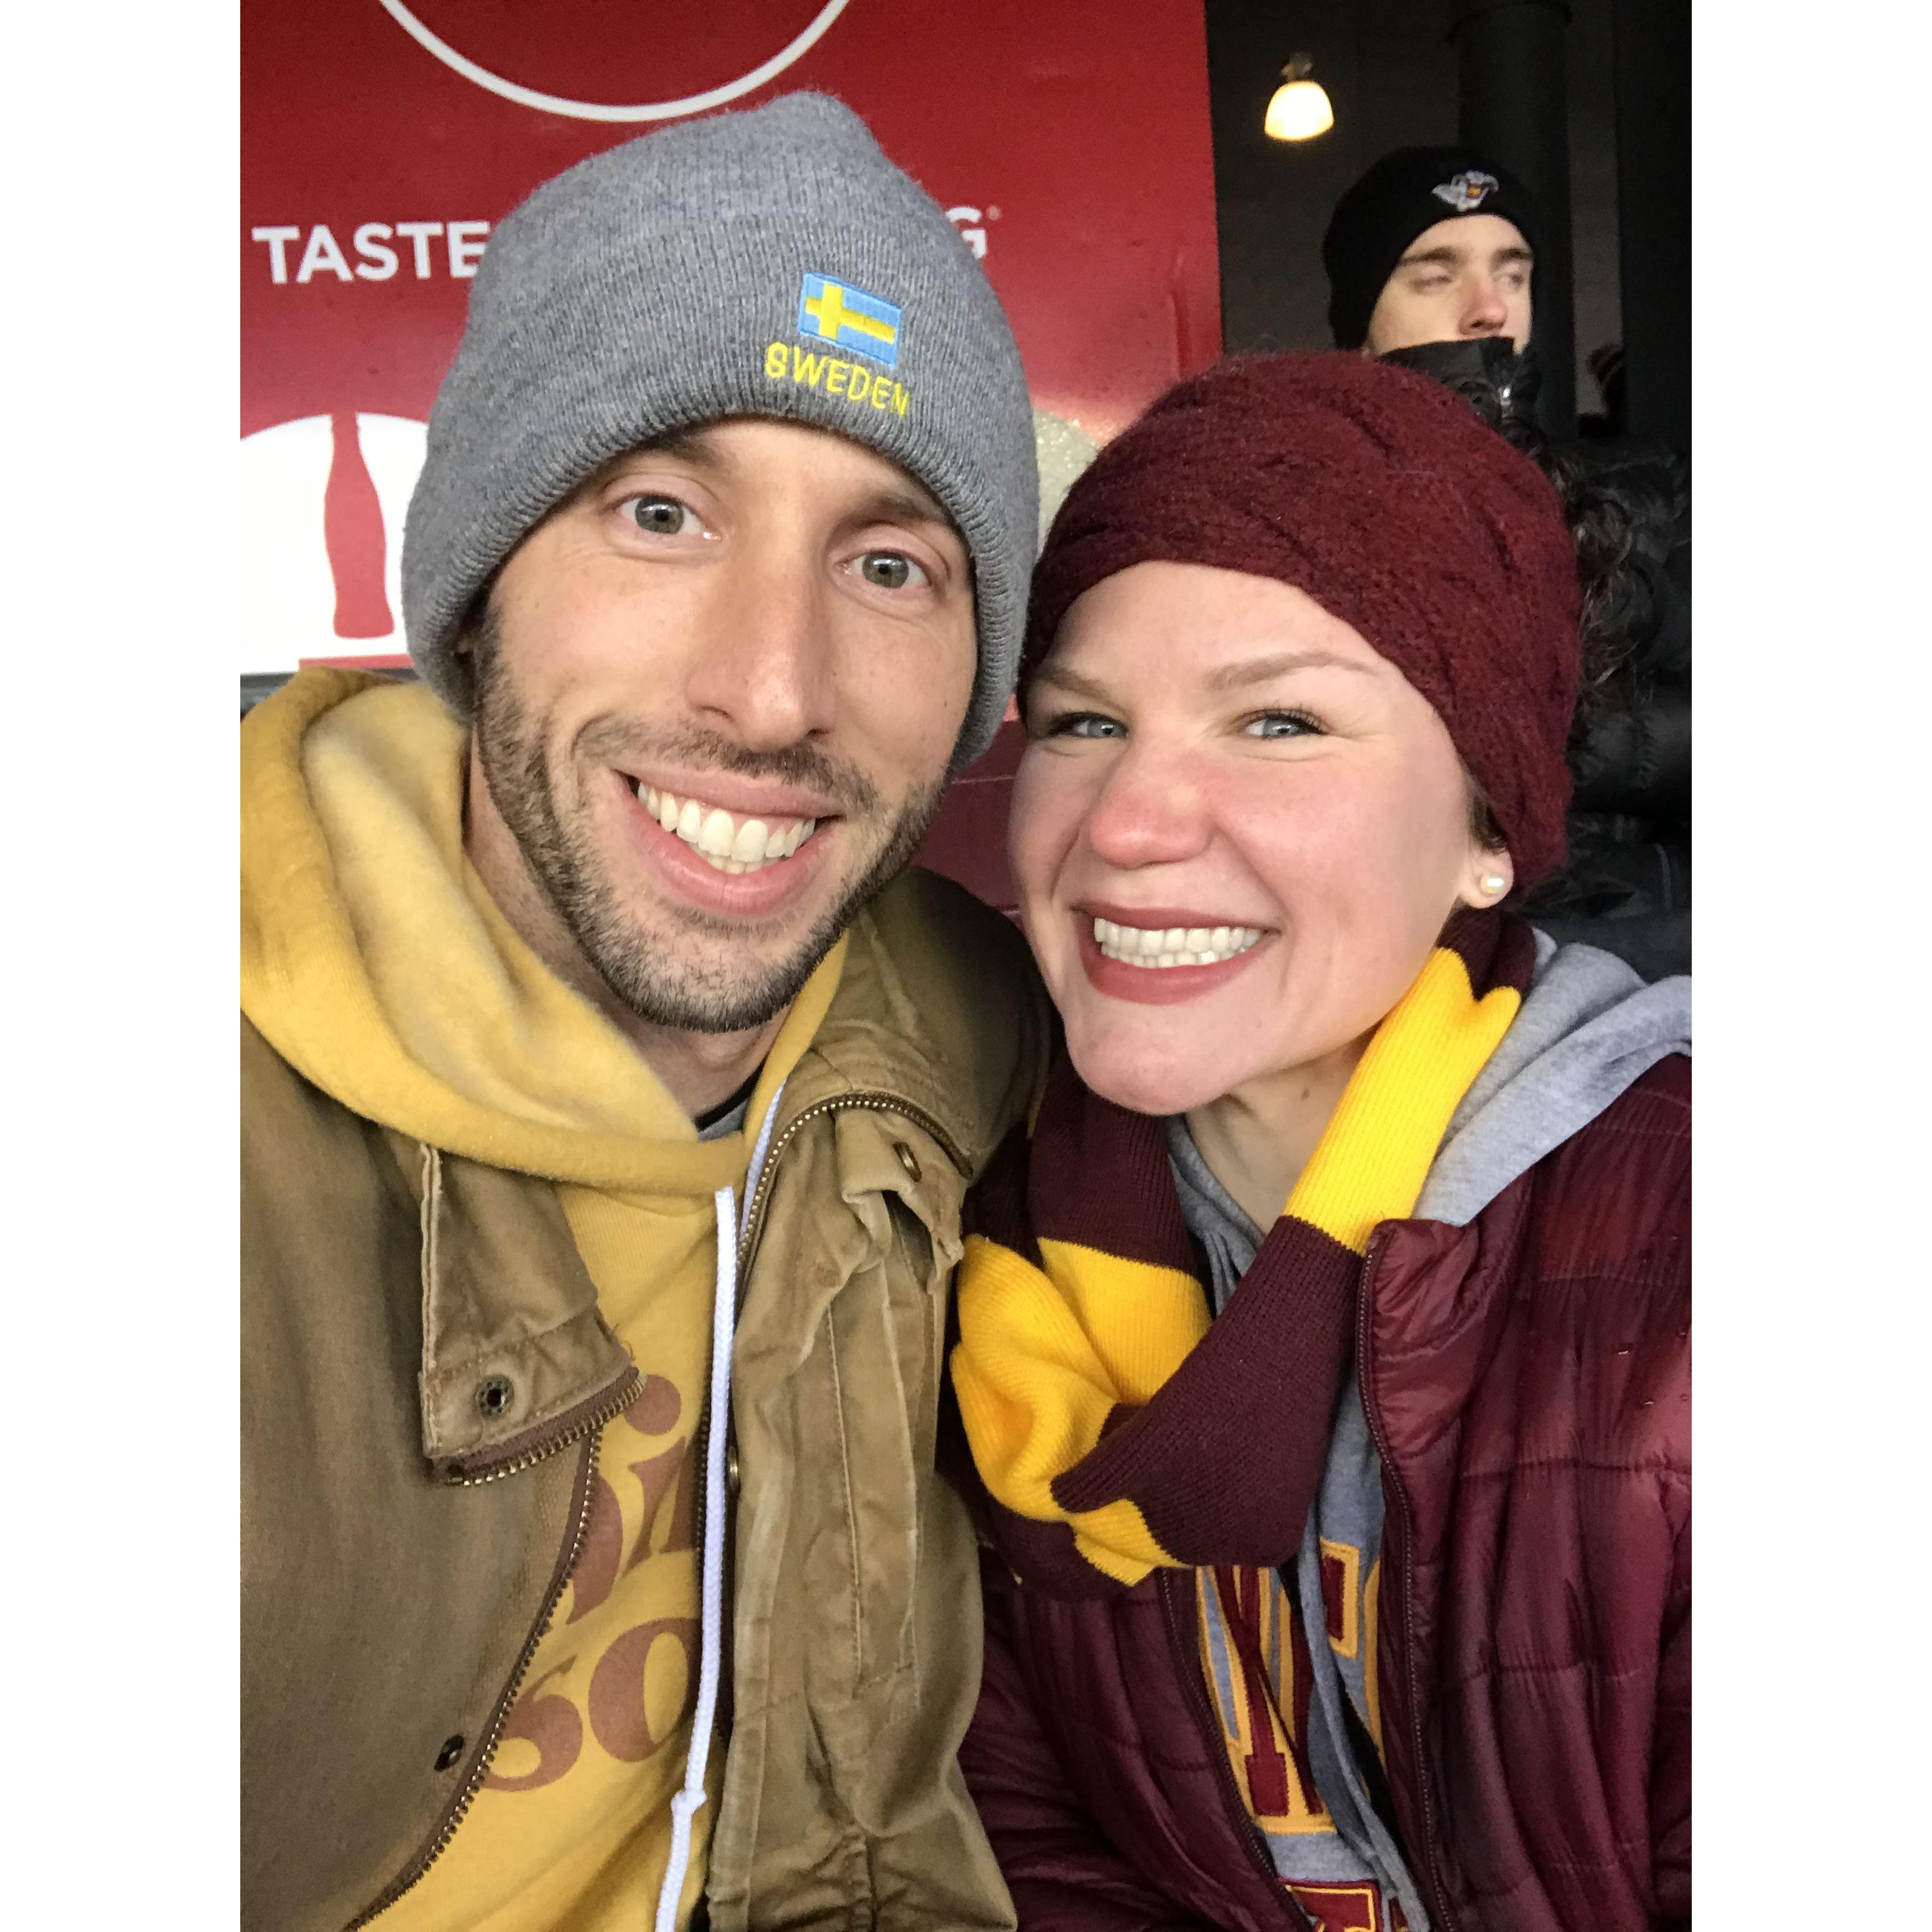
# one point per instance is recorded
(1237, 833)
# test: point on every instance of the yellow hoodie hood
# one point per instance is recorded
(375, 963)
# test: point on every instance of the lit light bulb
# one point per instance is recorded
(1300, 109)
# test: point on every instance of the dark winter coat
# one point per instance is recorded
(1526, 1379)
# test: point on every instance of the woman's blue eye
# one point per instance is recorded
(1282, 725)
(1082, 724)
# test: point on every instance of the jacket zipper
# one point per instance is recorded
(887, 1103)
(1443, 1919)
(748, 1242)
(459, 1805)
(1168, 1584)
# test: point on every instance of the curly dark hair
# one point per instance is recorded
(1606, 520)
(1613, 523)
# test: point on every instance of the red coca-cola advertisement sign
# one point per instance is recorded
(382, 141)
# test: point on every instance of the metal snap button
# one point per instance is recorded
(907, 1160)
(452, 1749)
(494, 1395)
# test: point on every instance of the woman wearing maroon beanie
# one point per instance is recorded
(1321, 1376)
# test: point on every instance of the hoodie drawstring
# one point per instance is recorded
(731, 1227)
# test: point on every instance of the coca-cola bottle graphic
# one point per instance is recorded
(323, 499)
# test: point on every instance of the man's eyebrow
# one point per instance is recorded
(689, 442)
(1444, 254)
(1451, 255)
(901, 503)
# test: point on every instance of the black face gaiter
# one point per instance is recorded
(1487, 373)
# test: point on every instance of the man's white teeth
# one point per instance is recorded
(1173, 945)
(731, 844)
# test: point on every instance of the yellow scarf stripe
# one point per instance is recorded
(1378, 1148)
(1045, 1358)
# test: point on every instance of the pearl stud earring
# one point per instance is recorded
(1494, 882)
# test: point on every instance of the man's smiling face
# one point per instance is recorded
(717, 692)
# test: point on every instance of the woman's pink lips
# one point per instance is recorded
(1153, 985)
(685, 876)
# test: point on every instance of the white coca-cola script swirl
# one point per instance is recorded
(598, 110)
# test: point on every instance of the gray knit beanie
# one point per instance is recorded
(768, 263)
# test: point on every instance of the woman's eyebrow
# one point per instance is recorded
(1072, 681)
(1258, 671)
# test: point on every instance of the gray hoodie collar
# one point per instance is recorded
(1589, 1028)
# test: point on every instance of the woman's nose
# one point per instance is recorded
(1150, 811)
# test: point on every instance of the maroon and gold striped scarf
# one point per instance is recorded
(1113, 1429)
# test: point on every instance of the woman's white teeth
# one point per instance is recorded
(731, 844)
(1173, 945)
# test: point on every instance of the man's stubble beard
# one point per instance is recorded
(691, 995)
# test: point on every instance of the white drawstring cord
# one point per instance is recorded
(711, 1592)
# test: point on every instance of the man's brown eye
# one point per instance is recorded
(887, 569)
(661, 516)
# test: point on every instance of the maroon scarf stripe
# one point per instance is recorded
(1494, 952)
(1099, 1177)
(1256, 1396)
(997, 1207)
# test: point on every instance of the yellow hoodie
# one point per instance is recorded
(375, 961)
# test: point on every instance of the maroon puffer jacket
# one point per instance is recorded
(1527, 1379)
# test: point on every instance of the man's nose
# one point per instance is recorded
(1151, 810)
(762, 665)
(1486, 311)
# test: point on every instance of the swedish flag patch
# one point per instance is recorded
(853, 318)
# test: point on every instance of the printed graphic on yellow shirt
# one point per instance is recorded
(1256, 1661)
(1254, 1657)
(571, 1827)
(640, 1688)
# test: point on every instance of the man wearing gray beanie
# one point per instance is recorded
(609, 1089)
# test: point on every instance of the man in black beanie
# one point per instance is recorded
(1430, 257)
(1432, 244)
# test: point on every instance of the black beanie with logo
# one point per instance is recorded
(1403, 193)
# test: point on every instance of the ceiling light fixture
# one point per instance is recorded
(1299, 109)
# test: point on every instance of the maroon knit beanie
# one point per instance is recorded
(1381, 494)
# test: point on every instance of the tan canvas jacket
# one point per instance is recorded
(402, 1550)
